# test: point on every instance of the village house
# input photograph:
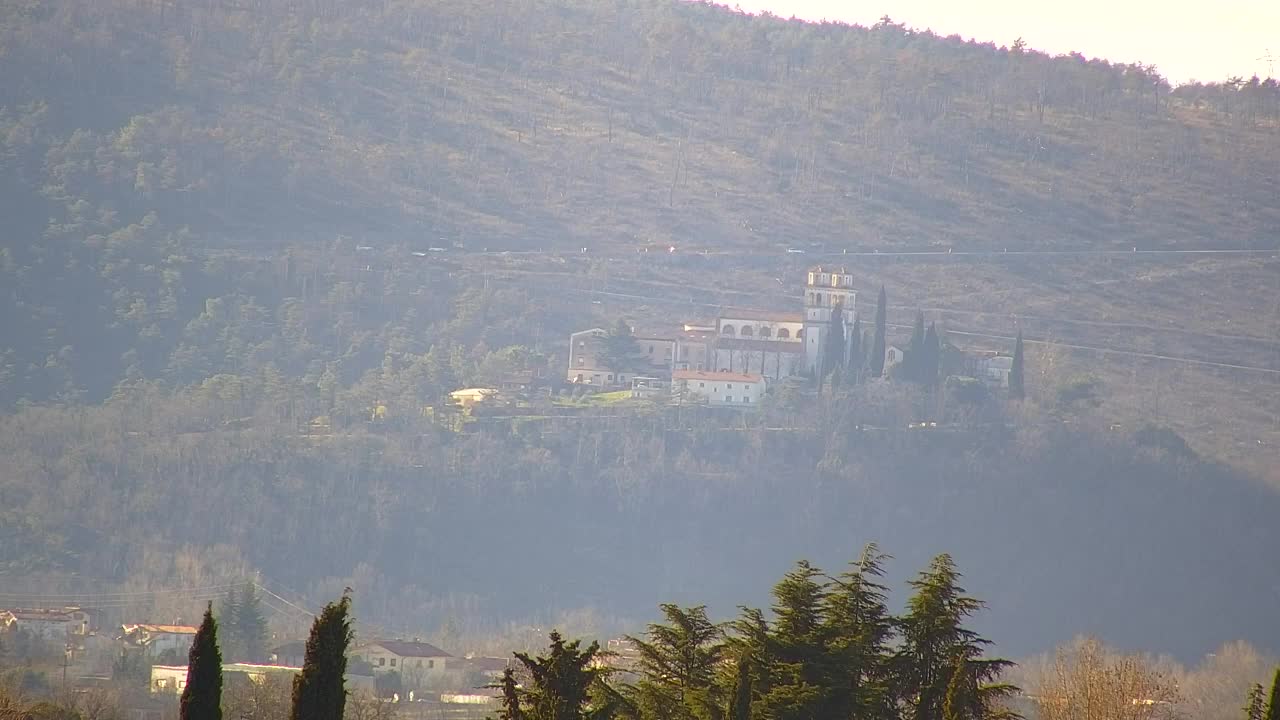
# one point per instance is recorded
(47, 624)
(718, 389)
(417, 663)
(173, 678)
(155, 640)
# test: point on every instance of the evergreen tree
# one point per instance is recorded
(677, 666)
(833, 355)
(914, 363)
(621, 351)
(930, 363)
(1017, 378)
(856, 359)
(800, 671)
(227, 616)
(202, 697)
(859, 629)
(318, 691)
(562, 682)
(1273, 701)
(250, 625)
(740, 702)
(878, 344)
(933, 638)
(1256, 706)
(511, 709)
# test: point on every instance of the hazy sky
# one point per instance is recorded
(1186, 39)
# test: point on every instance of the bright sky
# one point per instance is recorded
(1185, 39)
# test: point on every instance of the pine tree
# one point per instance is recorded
(228, 613)
(318, 691)
(562, 682)
(878, 344)
(1273, 701)
(250, 625)
(859, 629)
(1017, 378)
(202, 697)
(1256, 706)
(677, 665)
(934, 638)
(621, 351)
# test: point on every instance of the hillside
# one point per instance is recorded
(219, 222)
(159, 155)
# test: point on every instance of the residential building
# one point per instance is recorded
(467, 398)
(53, 625)
(718, 389)
(419, 664)
(157, 639)
(587, 365)
(289, 654)
(173, 678)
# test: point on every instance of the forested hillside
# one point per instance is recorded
(211, 211)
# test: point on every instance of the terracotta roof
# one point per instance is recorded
(41, 614)
(411, 649)
(174, 629)
(780, 346)
(761, 315)
(716, 376)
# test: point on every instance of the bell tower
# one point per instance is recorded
(825, 288)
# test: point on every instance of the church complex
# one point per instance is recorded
(764, 346)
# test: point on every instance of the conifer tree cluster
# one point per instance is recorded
(828, 648)
(244, 628)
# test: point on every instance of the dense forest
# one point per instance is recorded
(210, 210)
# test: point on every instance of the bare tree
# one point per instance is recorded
(1087, 682)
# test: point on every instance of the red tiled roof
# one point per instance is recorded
(720, 376)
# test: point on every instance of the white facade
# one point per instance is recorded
(159, 638)
(719, 389)
(173, 678)
(826, 289)
(49, 625)
(418, 663)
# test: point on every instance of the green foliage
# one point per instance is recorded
(621, 351)
(740, 700)
(511, 709)
(319, 690)
(1255, 707)
(935, 641)
(244, 627)
(836, 344)
(677, 664)
(878, 344)
(1017, 373)
(202, 697)
(1273, 699)
(562, 681)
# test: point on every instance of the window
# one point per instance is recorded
(784, 334)
(611, 378)
(419, 663)
(702, 384)
(746, 398)
(727, 330)
(431, 663)
(747, 331)
(581, 361)
(728, 386)
(382, 661)
(764, 332)
(582, 343)
(182, 684)
(393, 662)
(651, 349)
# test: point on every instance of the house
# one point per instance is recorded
(158, 639)
(893, 355)
(417, 663)
(718, 389)
(587, 365)
(47, 624)
(470, 397)
(290, 654)
(993, 368)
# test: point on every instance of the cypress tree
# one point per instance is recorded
(1273, 702)
(1017, 386)
(740, 703)
(915, 360)
(878, 344)
(932, 356)
(202, 697)
(318, 691)
(856, 360)
(833, 357)
(1255, 708)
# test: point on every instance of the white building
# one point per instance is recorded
(173, 678)
(718, 389)
(46, 624)
(825, 290)
(156, 639)
(418, 663)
